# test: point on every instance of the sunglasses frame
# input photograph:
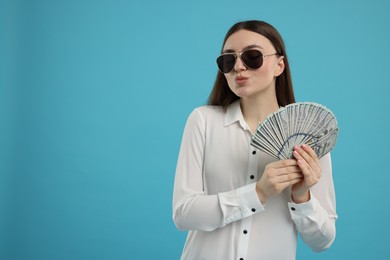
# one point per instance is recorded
(238, 55)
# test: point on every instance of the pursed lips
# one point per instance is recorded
(241, 79)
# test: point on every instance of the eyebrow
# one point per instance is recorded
(244, 49)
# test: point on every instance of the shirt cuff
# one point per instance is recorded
(240, 203)
(302, 210)
(249, 199)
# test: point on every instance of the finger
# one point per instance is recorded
(305, 168)
(284, 163)
(303, 155)
(280, 186)
(310, 177)
(312, 154)
(295, 181)
(296, 154)
(299, 156)
(309, 150)
(288, 170)
(291, 169)
(292, 177)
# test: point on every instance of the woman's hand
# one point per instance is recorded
(276, 177)
(309, 165)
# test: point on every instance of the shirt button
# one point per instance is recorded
(254, 152)
(245, 232)
(241, 258)
(292, 208)
(253, 210)
(252, 177)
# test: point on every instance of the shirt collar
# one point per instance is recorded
(234, 114)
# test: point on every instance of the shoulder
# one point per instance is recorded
(206, 115)
(209, 111)
(206, 112)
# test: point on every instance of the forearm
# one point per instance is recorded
(209, 212)
(315, 225)
(198, 212)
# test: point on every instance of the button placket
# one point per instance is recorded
(243, 240)
(252, 164)
(243, 243)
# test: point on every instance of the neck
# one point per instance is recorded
(256, 109)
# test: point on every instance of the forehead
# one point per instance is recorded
(243, 38)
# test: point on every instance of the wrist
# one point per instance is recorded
(260, 194)
(300, 198)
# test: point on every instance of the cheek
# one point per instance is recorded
(264, 73)
(229, 79)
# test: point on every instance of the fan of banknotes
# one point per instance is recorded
(296, 124)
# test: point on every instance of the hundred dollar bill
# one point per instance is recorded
(296, 124)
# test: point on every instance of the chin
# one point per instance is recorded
(243, 93)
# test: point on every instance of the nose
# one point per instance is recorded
(239, 65)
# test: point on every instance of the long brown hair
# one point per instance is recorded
(221, 95)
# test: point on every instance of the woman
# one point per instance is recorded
(236, 201)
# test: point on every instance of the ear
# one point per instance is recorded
(280, 66)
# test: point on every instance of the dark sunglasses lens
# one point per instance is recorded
(226, 62)
(253, 59)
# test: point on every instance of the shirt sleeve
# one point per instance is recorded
(192, 208)
(316, 219)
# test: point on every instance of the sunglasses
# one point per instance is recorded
(252, 59)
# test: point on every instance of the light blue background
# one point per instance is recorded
(94, 96)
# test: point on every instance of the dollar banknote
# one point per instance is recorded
(296, 124)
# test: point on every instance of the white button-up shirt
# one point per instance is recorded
(216, 201)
